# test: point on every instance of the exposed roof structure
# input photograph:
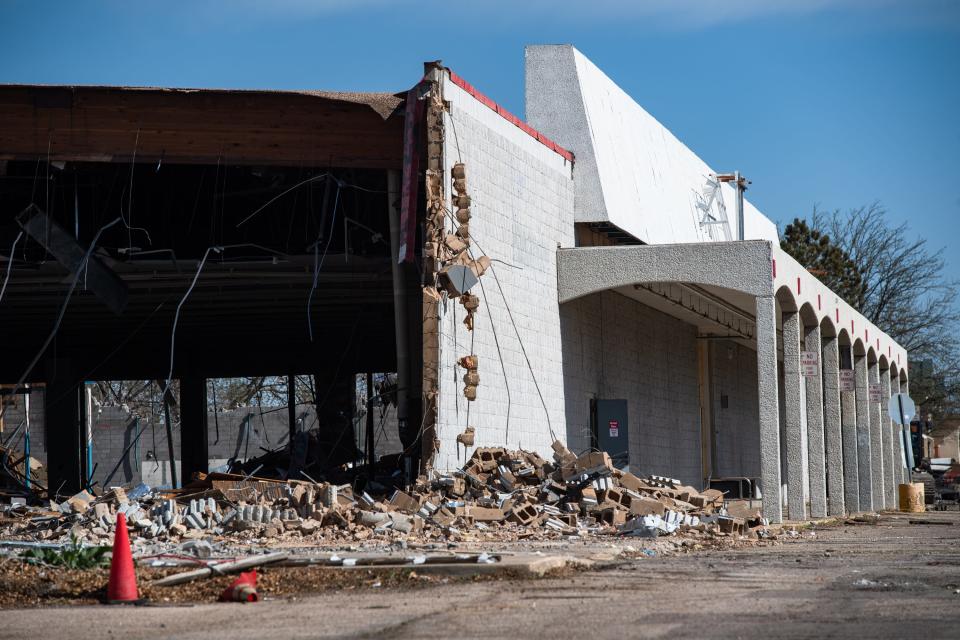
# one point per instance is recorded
(296, 128)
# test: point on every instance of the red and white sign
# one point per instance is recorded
(876, 392)
(614, 428)
(847, 381)
(809, 364)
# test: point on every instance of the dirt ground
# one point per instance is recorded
(891, 579)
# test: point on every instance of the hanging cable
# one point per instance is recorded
(503, 368)
(128, 220)
(280, 195)
(523, 349)
(6, 279)
(318, 264)
(63, 310)
(176, 317)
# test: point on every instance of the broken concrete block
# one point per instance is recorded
(467, 437)
(561, 454)
(618, 497)
(588, 497)
(80, 502)
(115, 496)
(334, 518)
(404, 502)
(443, 517)
(629, 481)
(613, 516)
(483, 514)
(594, 462)
(646, 506)
(524, 515)
(101, 510)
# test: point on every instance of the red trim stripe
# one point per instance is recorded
(512, 119)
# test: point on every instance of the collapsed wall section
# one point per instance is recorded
(522, 211)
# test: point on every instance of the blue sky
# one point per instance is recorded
(829, 102)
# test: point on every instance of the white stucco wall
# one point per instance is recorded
(805, 288)
(630, 171)
(522, 207)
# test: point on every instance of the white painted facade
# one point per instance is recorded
(522, 206)
(583, 329)
(631, 171)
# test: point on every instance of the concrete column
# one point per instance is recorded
(890, 460)
(63, 432)
(796, 506)
(876, 443)
(899, 469)
(851, 460)
(833, 436)
(769, 410)
(815, 453)
(193, 427)
(863, 434)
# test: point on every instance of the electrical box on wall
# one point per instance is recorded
(610, 430)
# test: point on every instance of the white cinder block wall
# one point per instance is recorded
(522, 206)
(733, 373)
(615, 347)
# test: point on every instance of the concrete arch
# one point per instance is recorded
(843, 337)
(827, 328)
(786, 300)
(740, 266)
(871, 355)
(883, 363)
(859, 348)
(808, 315)
(894, 370)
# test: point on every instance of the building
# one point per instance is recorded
(613, 296)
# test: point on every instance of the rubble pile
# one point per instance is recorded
(497, 494)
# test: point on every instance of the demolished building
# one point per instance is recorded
(571, 278)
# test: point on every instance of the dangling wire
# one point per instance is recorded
(318, 264)
(10, 265)
(63, 310)
(176, 317)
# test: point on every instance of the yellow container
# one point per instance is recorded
(911, 497)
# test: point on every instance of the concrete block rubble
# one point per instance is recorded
(498, 494)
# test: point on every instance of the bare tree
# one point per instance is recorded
(906, 293)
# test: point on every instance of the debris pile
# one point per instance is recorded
(497, 494)
(19, 474)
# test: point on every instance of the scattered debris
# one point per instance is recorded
(220, 569)
(498, 494)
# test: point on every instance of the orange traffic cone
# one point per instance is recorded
(123, 579)
(243, 589)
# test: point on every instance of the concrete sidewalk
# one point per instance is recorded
(887, 580)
